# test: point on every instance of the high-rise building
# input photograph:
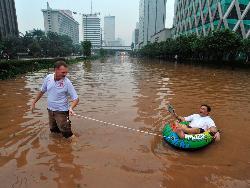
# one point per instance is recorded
(109, 29)
(152, 16)
(135, 34)
(143, 22)
(8, 19)
(203, 16)
(61, 22)
(92, 29)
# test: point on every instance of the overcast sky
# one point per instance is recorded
(126, 13)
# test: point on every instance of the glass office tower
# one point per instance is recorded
(202, 16)
(8, 19)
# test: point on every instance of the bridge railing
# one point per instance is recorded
(126, 48)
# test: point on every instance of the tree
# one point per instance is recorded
(103, 52)
(35, 34)
(12, 45)
(59, 45)
(66, 47)
(132, 46)
(86, 45)
(169, 48)
(37, 43)
(198, 48)
(184, 45)
(222, 44)
(1, 49)
(35, 48)
(77, 49)
(1, 45)
(45, 44)
(246, 48)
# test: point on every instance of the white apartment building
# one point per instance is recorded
(92, 29)
(61, 22)
(152, 16)
(143, 22)
(109, 29)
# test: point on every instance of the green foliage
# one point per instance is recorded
(59, 45)
(152, 49)
(217, 45)
(246, 46)
(103, 52)
(169, 48)
(221, 43)
(38, 44)
(184, 45)
(11, 45)
(86, 45)
(77, 49)
(1, 46)
(132, 46)
(11, 68)
(35, 48)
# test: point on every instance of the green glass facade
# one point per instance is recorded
(202, 16)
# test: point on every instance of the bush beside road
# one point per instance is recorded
(12, 68)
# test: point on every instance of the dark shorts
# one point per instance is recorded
(59, 122)
(201, 130)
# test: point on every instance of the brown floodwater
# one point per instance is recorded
(133, 93)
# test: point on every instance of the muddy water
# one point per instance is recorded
(133, 93)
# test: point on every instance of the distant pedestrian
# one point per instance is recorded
(59, 87)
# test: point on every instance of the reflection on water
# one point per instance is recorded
(132, 93)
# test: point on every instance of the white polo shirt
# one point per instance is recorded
(58, 92)
(198, 121)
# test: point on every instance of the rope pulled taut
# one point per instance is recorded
(119, 126)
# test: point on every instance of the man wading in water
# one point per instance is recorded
(58, 87)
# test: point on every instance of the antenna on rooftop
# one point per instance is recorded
(91, 6)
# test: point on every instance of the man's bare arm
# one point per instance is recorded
(216, 133)
(38, 96)
(180, 118)
(72, 106)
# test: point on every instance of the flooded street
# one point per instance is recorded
(132, 93)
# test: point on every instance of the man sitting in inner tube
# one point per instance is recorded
(198, 123)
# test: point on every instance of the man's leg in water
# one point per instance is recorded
(182, 129)
(64, 124)
(52, 123)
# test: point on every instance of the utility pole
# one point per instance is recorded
(91, 7)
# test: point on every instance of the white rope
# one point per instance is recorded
(120, 126)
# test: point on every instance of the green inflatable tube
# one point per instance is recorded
(190, 142)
